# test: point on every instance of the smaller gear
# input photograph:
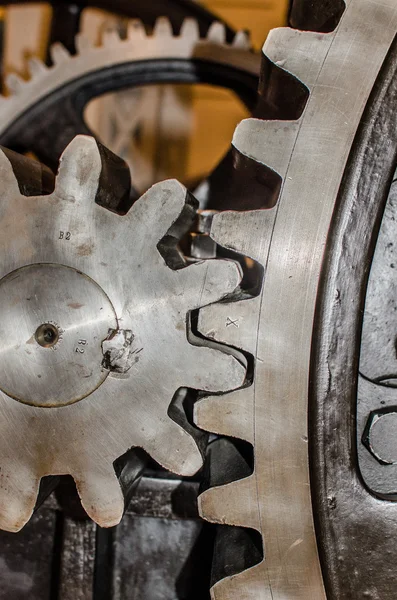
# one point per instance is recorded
(95, 338)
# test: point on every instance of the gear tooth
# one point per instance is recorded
(251, 226)
(16, 503)
(279, 136)
(230, 414)
(81, 164)
(36, 67)
(176, 450)
(246, 585)
(59, 54)
(190, 30)
(235, 504)
(111, 37)
(14, 83)
(83, 43)
(231, 323)
(171, 200)
(136, 30)
(216, 371)
(301, 53)
(242, 40)
(8, 179)
(163, 27)
(208, 281)
(100, 493)
(217, 33)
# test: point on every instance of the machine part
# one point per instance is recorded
(352, 537)
(72, 274)
(380, 435)
(377, 394)
(349, 516)
(201, 244)
(66, 16)
(43, 115)
(160, 539)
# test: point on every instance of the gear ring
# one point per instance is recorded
(332, 79)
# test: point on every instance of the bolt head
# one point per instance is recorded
(380, 435)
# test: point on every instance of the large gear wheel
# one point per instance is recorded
(329, 78)
(98, 323)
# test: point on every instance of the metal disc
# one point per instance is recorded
(54, 319)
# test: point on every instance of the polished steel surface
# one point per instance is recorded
(65, 251)
(54, 320)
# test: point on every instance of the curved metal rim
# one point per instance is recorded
(356, 531)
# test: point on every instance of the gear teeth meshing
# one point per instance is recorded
(59, 54)
(85, 172)
(255, 223)
(221, 278)
(242, 40)
(190, 30)
(178, 451)
(300, 53)
(163, 28)
(231, 373)
(83, 43)
(270, 143)
(335, 68)
(250, 133)
(217, 33)
(237, 410)
(231, 504)
(231, 323)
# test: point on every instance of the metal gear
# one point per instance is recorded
(66, 16)
(327, 80)
(43, 114)
(304, 496)
(97, 319)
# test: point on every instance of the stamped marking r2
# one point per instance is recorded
(80, 348)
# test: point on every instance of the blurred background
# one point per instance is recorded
(183, 130)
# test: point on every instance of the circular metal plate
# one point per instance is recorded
(54, 319)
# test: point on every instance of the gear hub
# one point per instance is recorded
(54, 321)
